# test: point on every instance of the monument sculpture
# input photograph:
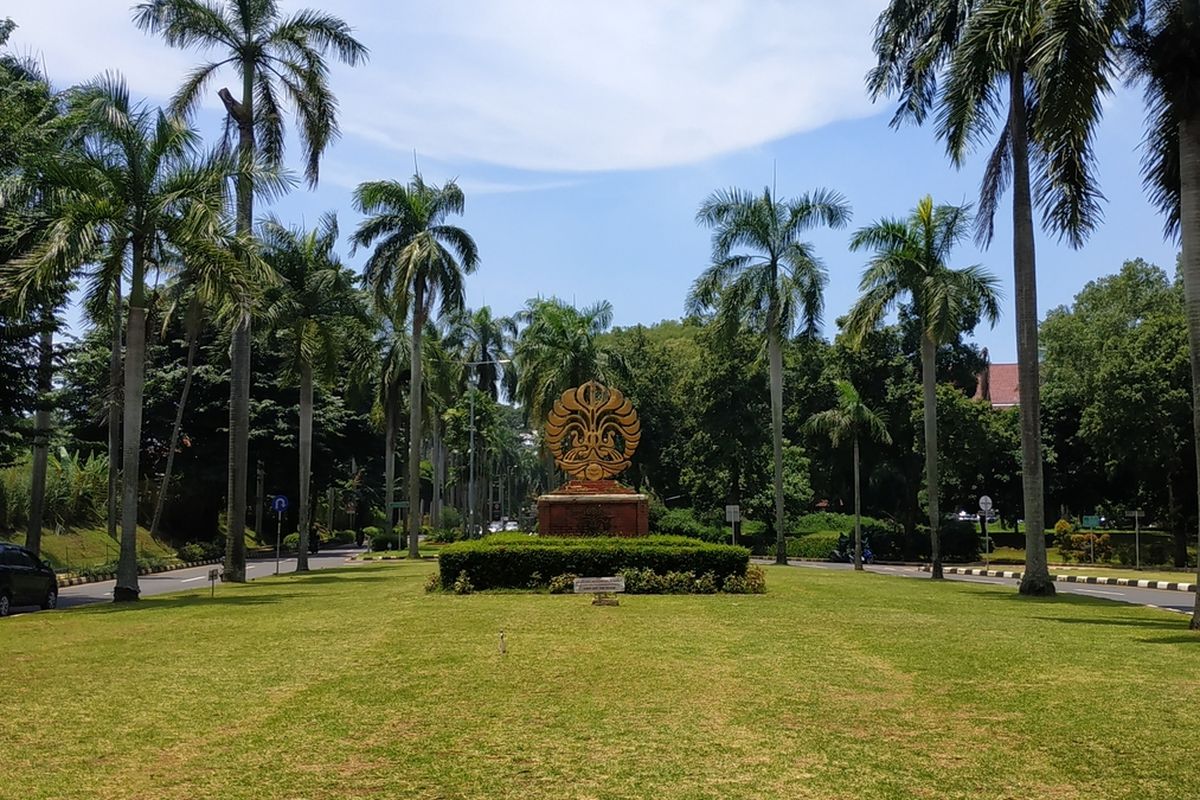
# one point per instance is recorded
(593, 431)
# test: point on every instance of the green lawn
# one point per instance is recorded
(355, 683)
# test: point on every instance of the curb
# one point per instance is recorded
(80, 581)
(1172, 586)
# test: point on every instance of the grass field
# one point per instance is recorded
(355, 683)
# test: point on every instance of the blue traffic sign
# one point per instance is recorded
(279, 504)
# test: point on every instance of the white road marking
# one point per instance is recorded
(197, 578)
(1108, 592)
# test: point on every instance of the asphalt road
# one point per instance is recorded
(182, 580)
(1159, 598)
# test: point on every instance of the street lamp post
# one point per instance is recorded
(474, 365)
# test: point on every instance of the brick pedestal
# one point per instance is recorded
(593, 508)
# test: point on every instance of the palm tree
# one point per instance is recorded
(445, 374)
(850, 419)
(276, 57)
(964, 59)
(766, 287)
(391, 382)
(910, 260)
(558, 348)
(140, 190)
(1161, 50)
(320, 316)
(419, 258)
(486, 341)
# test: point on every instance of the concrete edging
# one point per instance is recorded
(80, 581)
(1173, 586)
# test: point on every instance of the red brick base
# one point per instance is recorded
(577, 510)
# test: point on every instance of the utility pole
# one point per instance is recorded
(1137, 536)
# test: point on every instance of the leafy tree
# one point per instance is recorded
(141, 188)
(1013, 69)
(1162, 50)
(763, 276)
(850, 419)
(560, 347)
(279, 59)
(418, 259)
(486, 341)
(319, 315)
(910, 260)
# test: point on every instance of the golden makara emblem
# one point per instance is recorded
(592, 431)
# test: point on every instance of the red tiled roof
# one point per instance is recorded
(998, 384)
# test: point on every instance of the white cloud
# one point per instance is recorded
(542, 84)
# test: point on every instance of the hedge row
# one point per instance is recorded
(516, 562)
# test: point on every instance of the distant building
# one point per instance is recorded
(998, 385)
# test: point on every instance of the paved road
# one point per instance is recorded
(1159, 598)
(182, 580)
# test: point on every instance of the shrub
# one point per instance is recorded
(813, 545)
(679, 582)
(340, 537)
(196, 551)
(683, 522)
(451, 518)
(291, 542)
(563, 584)
(433, 582)
(381, 541)
(959, 540)
(443, 535)
(370, 532)
(1063, 529)
(756, 580)
(706, 584)
(462, 584)
(510, 560)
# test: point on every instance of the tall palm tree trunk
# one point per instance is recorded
(1036, 578)
(41, 435)
(239, 348)
(435, 505)
(306, 436)
(135, 370)
(929, 398)
(389, 469)
(114, 412)
(1189, 226)
(858, 562)
(414, 421)
(775, 356)
(175, 430)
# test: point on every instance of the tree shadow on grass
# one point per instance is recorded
(167, 603)
(309, 578)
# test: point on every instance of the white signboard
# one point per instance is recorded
(733, 513)
(985, 503)
(600, 585)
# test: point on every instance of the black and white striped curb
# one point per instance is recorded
(1140, 584)
(111, 576)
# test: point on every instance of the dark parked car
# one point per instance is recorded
(25, 580)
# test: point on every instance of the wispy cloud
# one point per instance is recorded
(540, 84)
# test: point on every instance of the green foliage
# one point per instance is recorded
(381, 541)
(562, 584)
(291, 542)
(505, 561)
(76, 492)
(199, 551)
(1063, 528)
(647, 581)
(462, 584)
(683, 522)
(753, 582)
(830, 521)
(451, 518)
(813, 545)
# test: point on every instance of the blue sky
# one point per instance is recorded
(586, 134)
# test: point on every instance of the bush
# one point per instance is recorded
(510, 561)
(340, 537)
(291, 542)
(451, 518)
(706, 584)
(444, 535)
(683, 522)
(562, 584)
(826, 521)
(198, 551)
(370, 532)
(433, 582)
(1063, 529)
(462, 584)
(960, 540)
(381, 541)
(813, 545)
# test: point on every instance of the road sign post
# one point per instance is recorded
(213, 574)
(279, 505)
(733, 515)
(985, 506)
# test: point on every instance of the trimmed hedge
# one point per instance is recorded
(813, 545)
(513, 561)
